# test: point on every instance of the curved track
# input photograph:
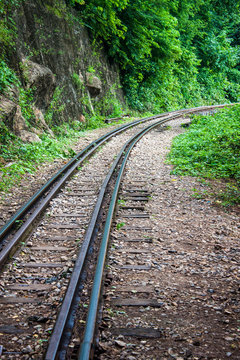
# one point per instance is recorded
(64, 323)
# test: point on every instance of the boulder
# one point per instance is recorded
(21, 130)
(28, 136)
(94, 84)
(41, 79)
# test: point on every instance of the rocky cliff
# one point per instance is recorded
(66, 74)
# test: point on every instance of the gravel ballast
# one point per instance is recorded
(193, 265)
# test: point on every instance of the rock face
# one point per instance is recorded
(67, 77)
(55, 52)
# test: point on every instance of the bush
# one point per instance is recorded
(210, 147)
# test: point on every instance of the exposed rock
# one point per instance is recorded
(20, 128)
(81, 78)
(11, 115)
(40, 121)
(41, 79)
(62, 45)
(94, 84)
(36, 131)
(19, 123)
(7, 111)
(82, 118)
(13, 93)
(28, 136)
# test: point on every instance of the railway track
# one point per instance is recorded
(49, 280)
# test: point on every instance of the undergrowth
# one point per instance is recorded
(18, 158)
(210, 149)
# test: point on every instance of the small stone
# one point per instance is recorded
(64, 258)
(38, 327)
(188, 353)
(120, 343)
(227, 312)
(229, 354)
(211, 291)
(196, 343)
(171, 353)
(27, 350)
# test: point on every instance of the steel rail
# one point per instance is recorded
(58, 331)
(32, 201)
(88, 339)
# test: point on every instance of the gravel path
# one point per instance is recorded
(193, 265)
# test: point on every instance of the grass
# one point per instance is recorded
(210, 148)
(18, 158)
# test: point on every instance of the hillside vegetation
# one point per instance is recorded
(171, 53)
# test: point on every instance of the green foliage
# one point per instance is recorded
(91, 69)
(171, 53)
(8, 79)
(76, 80)
(110, 105)
(26, 101)
(101, 16)
(7, 24)
(18, 158)
(5, 135)
(211, 147)
(7, 76)
(56, 106)
(120, 225)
